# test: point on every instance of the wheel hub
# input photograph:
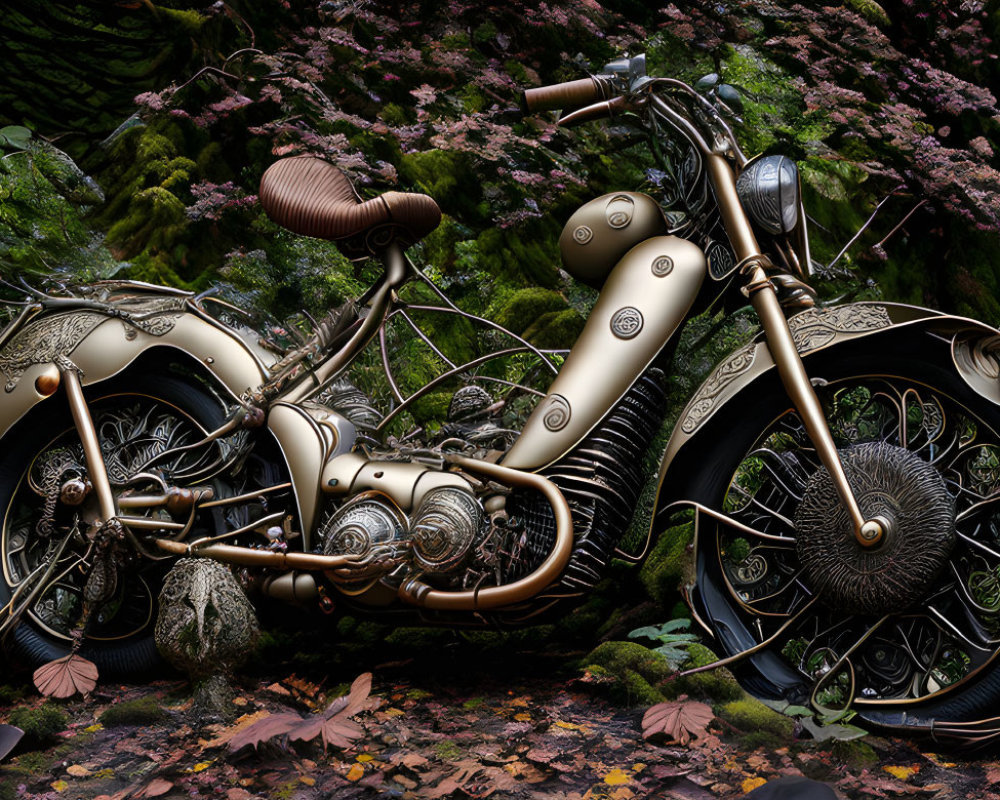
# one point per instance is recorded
(899, 486)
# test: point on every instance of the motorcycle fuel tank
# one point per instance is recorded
(601, 231)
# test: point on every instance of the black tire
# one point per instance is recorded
(903, 360)
(182, 397)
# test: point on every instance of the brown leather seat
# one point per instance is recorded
(310, 196)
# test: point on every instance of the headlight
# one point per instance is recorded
(769, 191)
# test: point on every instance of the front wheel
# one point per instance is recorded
(138, 419)
(907, 633)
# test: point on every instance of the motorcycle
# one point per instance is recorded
(841, 470)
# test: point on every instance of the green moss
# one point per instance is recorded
(855, 754)
(39, 724)
(142, 711)
(871, 11)
(717, 685)
(666, 567)
(418, 638)
(555, 329)
(637, 671)
(524, 308)
(752, 718)
(447, 750)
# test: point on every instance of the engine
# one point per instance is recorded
(435, 541)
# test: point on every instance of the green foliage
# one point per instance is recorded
(142, 711)
(673, 645)
(41, 724)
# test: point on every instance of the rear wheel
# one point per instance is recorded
(138, 419)
(907, 633)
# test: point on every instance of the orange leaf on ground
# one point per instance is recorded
(66, 676)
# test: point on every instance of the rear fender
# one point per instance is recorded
(737, 381)
(103, 346)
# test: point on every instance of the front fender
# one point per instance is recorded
(102, 346)
(738, 381)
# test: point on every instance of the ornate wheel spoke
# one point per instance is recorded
(909, 620)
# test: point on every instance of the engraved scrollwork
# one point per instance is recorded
(582, 234)
(42, 341)
(557, 415)
(817, 327)
(703, 402)
(662, 266)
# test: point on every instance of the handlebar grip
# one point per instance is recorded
(569, 95)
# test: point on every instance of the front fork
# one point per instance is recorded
(764, 299)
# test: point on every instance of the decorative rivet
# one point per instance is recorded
(209, 360)
(332, 482)
(47, 383)
(582, 235)
(379, 474)
(626, 322)
(619, 211)
(662, 266)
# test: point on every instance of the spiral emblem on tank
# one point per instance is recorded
(557, 415)
(662, 266)
(582, 234)
(626, 322)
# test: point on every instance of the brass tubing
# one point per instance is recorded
(397, 271)
(242, 498)
(248, 557)
(419, 593)
(96, 469)
(764, 299)
(803, 397)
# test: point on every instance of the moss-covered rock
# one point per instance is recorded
(41, 724)
(668, 565)
(141, 711)
(637, 671)
(716, 685)
(754, 719)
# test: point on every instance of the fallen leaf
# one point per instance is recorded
(59, 786)
(155, 788)
(617, 777)
(77, 771)
(66, 676)
(752, 783)
(681, 720)
(356, 772)
(332, 725)
(901, 772)
(241, 724)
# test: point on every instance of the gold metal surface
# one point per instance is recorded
(603, 230)
(304, 448)
(602, 364)
(419, 593)
(796, 382)
(248, 557)
(96, 469)
(406, 483)
(106, 350)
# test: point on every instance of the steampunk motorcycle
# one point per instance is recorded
(842, 470)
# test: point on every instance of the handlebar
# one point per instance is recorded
(566, 96)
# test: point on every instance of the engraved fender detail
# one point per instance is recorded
(40, 342)
(817, 327)
(582, 234)
(703, 402)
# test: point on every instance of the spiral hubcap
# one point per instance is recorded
(908, 493)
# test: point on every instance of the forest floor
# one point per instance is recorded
(455, 721)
